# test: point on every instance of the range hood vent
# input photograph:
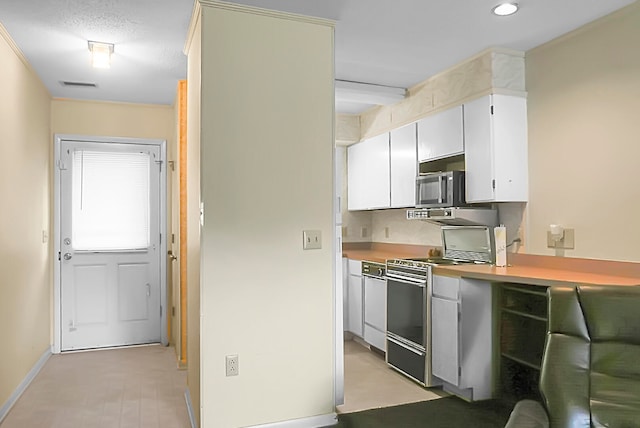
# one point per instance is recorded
(463, 216)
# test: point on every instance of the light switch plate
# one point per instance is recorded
(312, 239)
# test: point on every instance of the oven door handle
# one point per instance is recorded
(419, 283)
(397, 342)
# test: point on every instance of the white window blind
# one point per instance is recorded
(110, 201)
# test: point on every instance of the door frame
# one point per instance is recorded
(57, 302)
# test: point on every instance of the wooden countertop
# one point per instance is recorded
(523, 268)
(533, 275)
(380, 252)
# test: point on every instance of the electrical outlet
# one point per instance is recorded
(232, 365)
(363, 232)
(386, 232)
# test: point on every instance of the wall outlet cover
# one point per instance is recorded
(232, 368)
(311, 239)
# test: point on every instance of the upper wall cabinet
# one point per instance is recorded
(441, 135)
(368, 170)
(495, 129)
(403, 166)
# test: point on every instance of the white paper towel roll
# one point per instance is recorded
(500, 235)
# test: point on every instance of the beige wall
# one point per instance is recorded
(584, 152)
(266, 176)
(110, 119)
(193, 218)
(25, 261)
(392, 226)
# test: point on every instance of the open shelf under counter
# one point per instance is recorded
(523, 328)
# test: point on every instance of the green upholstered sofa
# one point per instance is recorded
(590, 373)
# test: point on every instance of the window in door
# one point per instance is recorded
(110, 201)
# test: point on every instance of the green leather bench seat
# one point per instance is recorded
(591, 366)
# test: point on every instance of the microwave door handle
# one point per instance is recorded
(440, 184)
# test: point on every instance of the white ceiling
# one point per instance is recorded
(394, 43)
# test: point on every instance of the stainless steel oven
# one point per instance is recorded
(409, 283)
(408, 314)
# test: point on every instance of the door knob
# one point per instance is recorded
(171, 255)
(67, 256)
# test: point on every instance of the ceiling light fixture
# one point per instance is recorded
(367, 93)
(505, 9)
(100, 54)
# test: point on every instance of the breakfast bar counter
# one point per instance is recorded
(534, 275)
(522, 268)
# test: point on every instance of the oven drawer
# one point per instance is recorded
(406, 359)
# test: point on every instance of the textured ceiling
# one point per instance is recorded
(394, 43)
(149, 36)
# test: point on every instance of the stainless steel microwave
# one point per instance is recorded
(440, 189)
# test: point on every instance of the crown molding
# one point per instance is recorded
(16, 50)
(193, 23)
(266, 12)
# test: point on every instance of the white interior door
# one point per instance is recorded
(110, 244)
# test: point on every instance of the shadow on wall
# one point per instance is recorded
(513, 216)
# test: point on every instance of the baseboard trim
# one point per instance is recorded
(311, 422)
(192, 417)
(13, 398)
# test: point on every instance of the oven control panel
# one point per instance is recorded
(373, 269)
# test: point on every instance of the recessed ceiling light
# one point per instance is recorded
(505, 9)
(100, 54)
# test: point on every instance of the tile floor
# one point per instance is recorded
(135, 387)
(369, 383)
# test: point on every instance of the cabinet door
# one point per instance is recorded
(375, 297)
(375, 312)
(403, 166)
(368, 180)
(509, 130)
(478, 153)
(476, 337)
(445, 339)
(495, 128)
(355, 305)
(441, 135)
(345, 293)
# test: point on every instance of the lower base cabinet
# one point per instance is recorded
(375, 312)
(461, 336)
(355, 317)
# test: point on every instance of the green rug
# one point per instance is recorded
(448, 412)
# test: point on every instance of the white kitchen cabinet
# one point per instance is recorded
(355, 323)
(345, 293)
(495, 130)
(461, 336)
(375, 312)
(403, 166)
(441, 135)
(368, 184)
